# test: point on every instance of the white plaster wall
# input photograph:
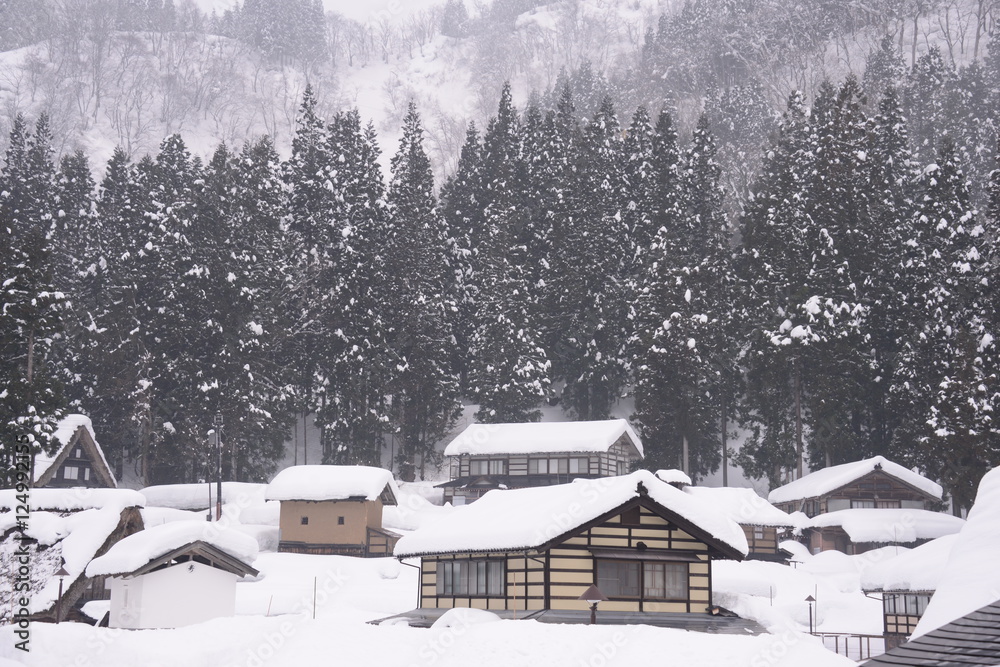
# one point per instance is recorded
(126, 602)
(179, 595)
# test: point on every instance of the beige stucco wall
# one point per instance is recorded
(323, 527)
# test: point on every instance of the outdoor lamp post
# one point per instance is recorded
(61, 574)
(217, 421)
(593, 595)
(810, 600)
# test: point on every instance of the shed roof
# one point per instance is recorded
(202, 496)
(827, 480)
(917, 569)
(329, 482)
(543, 438)
(973, 639)
(887, 525)
(742, 505)
(972, 578)
(533, 517)
(134, 553)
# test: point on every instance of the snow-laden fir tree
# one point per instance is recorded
(357, 366)
(772, 277)
(589, 306)
(948, 359)
(683, 334)
(424, 390)
(31, 319)
(509, 369)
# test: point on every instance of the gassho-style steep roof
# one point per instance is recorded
(533, 518)
(742, 505)
(888, 525)
(329, 482)
(918, 569)
(133, 553)
(543, 438)
(65, 435)
(830, 479)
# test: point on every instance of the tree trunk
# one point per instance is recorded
(797, 390)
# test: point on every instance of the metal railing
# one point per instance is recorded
(855, 647)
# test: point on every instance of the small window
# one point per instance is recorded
(887, 504)
(340, 521)
(498, 467)
(622, 467)
(578, 466)
(86, 474)
(78, 453)
(862, 504)
(71, 472)
(758, 533)
(538, 466)
(305, 521)
(630, 517)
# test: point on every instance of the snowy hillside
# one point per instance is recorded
(132, 88)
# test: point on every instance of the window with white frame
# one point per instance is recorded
(71, 472)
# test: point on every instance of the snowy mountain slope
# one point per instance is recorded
(133, 89)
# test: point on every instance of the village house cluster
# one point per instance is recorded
(556, 522)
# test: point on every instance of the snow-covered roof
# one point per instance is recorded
(135, 551)
(972, 578)
(830, 479)
(893, 526)
(65, 430)
(917, 569)
(529, 518)
(327, 482)
(70, 540)
(202, 496)
(741, 505)
(542, 438)
(674, 476)
(74, 499)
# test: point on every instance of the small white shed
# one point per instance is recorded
(175, 574)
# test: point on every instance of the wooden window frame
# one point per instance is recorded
(642, 566)
(465, 583)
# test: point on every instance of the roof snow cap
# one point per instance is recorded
(830, 479)
(524, 519)
(329, 482)
(543, 438)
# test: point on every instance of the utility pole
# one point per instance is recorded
(218, 466)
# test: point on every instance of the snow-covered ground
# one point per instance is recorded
(308, 609)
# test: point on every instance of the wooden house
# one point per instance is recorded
(858, 530)
(764, 525)
(906, 583)
(175, 574)
(514, 456)
(67, 529)
(77, 462)
(973, 639)
(532, 553)
(874, 483)
(328, 509)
